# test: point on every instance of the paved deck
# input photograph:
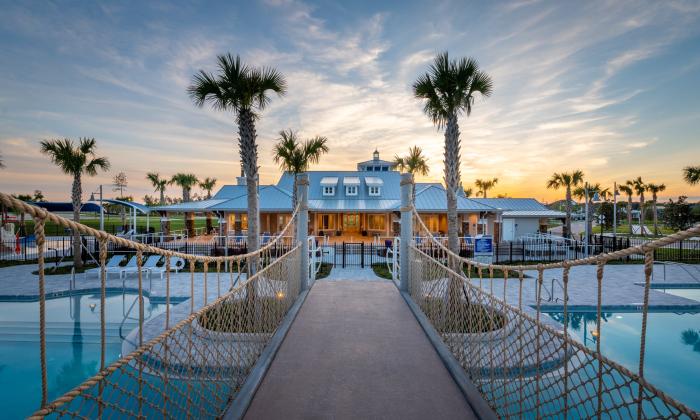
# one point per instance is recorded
(356, 351)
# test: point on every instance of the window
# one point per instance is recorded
(351, 190)
(374, 191)
(328, 190)
(327, 222)
(385, 168)
(376, 221)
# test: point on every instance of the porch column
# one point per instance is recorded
(303, 229)
(406, 229)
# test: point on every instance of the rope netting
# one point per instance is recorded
(192, 360)
(524, 364)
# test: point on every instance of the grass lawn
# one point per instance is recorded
(381, 270)
(324, 271)
(624, 229)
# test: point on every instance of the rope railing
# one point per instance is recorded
(524, 364)
(191, 360)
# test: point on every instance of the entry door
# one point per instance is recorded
(351, 222)
(508, 229)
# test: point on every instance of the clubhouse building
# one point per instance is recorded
(365, 203)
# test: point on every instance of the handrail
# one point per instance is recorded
(683, 266)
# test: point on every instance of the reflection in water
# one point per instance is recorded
(75, 371)
(691, 338)
(583, 320)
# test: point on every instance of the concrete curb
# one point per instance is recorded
(239, 406)
(478, 405)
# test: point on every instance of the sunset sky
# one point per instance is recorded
(612, 88)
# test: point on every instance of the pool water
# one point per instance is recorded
(73, 344)
(672, 361)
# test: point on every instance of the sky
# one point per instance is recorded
(608, 87)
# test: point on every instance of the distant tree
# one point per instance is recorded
(150, 201)
(566, 180)
(208, 185)
(415, 163)
(25, 198)
(448, 90)
(677, 214)
(244, 91)
(38, 196)
(186, 182)
(119, 183)
(639, 187)
(580, 193)
(655, 189)
(629, 192)
(75, 160)
(159, 184)
(468, 191)
(295, 156)
(691, 174)
(484, 185)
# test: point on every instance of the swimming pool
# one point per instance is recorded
(73, 344)
(672, 360)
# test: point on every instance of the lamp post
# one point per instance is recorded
(615, 193)
(102, 214)
(596, 198)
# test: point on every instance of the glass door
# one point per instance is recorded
(351, 223)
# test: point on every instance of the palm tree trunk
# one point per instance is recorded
(76, 196)
(249, 160)
(641, 216)
(567, 225)
(162, 197)
(452, 178)
(629, 214)
(656, 220)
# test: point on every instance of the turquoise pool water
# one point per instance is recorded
(672, 360)
(73, 344)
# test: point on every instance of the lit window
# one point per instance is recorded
(328, 190)
(376, 221)
(351, 190)
(374, 191)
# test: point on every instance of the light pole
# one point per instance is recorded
(596, 198)
(102, 214)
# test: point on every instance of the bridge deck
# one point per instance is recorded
(356, 351)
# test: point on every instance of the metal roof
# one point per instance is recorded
(534, 213)
(354, 205)
(191, 206)
(351, 180)
(65, 207)
(432, 198)
(231, 191)
(329, 181)
(390, 191)
(514, 204)
(373, 181)
(271, 198)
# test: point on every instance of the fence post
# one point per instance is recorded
(303, 228)
(406, 229)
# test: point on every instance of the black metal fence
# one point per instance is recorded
(354, 254)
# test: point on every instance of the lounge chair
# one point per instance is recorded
(176, 264)
(151, 262)
(111, 266)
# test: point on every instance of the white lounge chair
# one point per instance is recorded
(111, 266)
(151, 262)
(176, 264)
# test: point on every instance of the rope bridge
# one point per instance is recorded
(195, 365)
(522, 364)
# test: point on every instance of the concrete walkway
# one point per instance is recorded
(355, 350)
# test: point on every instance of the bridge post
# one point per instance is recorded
(303, 228)
(406, 229)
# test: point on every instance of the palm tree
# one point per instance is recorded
(244, 91)
(186, 182)
(638, 186)
(566, 180)
(691, 174)
(655, 189)
(449, 89)
(484, 185)
(75, 160)
(580, 193)
(413, 163)
(629, 192)
(25, 198)
(295, 156)
(159, 184)
(207, 185)
(468, 191)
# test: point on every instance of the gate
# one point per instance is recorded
(353, 254)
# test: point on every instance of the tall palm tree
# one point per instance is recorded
(295, 156)
(468, 191)
(639, 187)
(580, 193)
(655, 189)
(244, 91)
(159, 184)
(75, 160)
(691, 174)
(484, 185)
(207, 185)
(449, 89)
(186, 181)
(414, 163)
(566, 180)
(629, 192)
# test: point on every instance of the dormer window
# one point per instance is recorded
(374, 191)
(351, 190)
(328, 191)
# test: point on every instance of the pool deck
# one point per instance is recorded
(356, 351)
